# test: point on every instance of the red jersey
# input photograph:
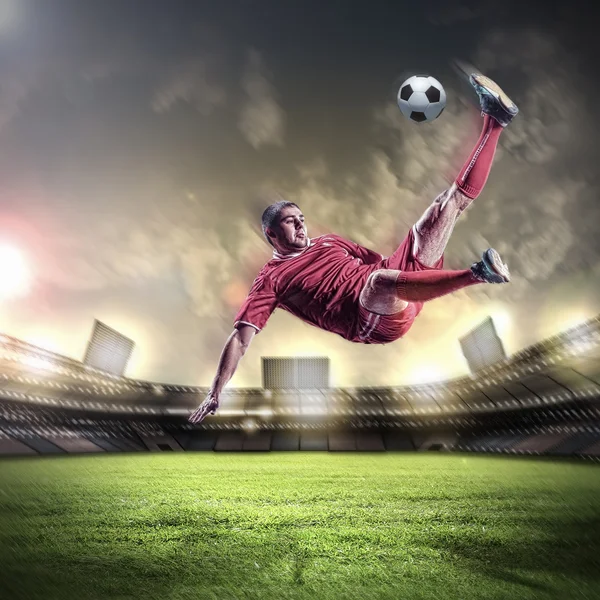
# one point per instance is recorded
(320, 284)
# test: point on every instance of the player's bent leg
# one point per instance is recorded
(392, 299)
(422, 286)
(389, 291)
(379, 293)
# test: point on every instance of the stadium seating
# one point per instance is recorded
(313, 441)
(75, 444)
(43, 446)
(160, 443)
(540, 443)
(395, 440)
(197, 440)
(342, 441)
(593, 450)
(544, 399)
(231, 441)
(369, 441)
(439, 441)
(259, 441)
(575, 443)
(285, 440)
(8, 446)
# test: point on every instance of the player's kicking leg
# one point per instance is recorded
(433, 229)
(389, 291)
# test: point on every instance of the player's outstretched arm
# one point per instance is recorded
(234, 349)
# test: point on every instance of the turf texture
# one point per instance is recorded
(174, 526)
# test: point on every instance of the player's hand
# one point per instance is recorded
(208, 406)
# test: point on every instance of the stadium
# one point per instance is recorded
(261, 496)
(541, 401)
(396, 204)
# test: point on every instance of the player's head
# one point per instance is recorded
(284, 228)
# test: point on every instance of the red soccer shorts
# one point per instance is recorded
(383, 329)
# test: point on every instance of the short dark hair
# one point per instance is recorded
(271, 215)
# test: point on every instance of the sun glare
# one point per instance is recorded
(15, 275)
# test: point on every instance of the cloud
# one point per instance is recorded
(540, 210)
(178, 248)
(12, 92)
(262, 120)
(551, 95)
(179, 235)
(189, 83)
(21, 77)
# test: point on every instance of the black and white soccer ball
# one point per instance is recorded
(421, 98)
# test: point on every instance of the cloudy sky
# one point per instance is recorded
(140, 141)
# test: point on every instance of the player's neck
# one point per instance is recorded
(289, 252)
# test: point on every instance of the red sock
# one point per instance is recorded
(421, 286)
(474, 174)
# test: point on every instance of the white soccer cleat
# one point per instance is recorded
(491, 269)
(494, 101)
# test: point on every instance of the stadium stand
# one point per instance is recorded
(285, 440)
(540, 443)
(342, 441)
(593, 450)
(439, 441)
(43, 446)
(397, 440)
(313, 440)
(575, 443)
(197, 440)
(159, 443)
(369, 441)
(259, 441)
(9, 446)
(106, 445)
(230, 441)
(75, 444)
(542, 400)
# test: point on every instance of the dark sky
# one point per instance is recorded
(140, 141)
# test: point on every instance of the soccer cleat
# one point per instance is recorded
(494, 102)
(491, 269)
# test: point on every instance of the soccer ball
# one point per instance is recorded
(421, 98)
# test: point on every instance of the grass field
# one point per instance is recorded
(298, 525)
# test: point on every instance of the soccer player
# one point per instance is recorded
(341, 287)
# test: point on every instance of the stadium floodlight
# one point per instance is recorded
(109, 351)
(294, 373)
(482, 347)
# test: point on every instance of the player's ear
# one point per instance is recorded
(271, 233)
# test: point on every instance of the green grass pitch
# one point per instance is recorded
(298, 526)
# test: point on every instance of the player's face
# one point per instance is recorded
(291, 232)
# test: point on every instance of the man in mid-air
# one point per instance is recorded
(341, 287)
